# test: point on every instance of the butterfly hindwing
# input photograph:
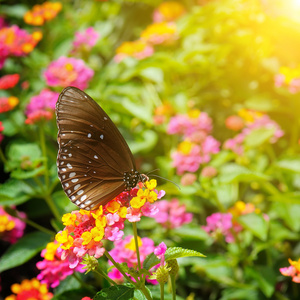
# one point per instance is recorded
(93, 155)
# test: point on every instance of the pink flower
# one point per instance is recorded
(85, 40)
(188, 125)
(172, 214)
(264, 121)
(220, 224)
(137, 49)
(209, 172)
(53, 268)
(68, 71)
(46, 100)
(293, 270)
(11, 228)
(188, 179)
(160, 250)
(124, 251)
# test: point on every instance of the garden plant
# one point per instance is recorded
(207, 95)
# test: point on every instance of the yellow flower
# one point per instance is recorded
(137, 202)
(13, 101)
(101, 222)
(123, 212)
(152, 197)
(6, 224)
(194, 113)
(185, 147)
(249, 115)
(69, 219)
(113, 206)
(170, 10)
(98, 213)
(65, 239)
(151, 184)
(51, 250)
(131, 244)
(97, 233)
(87, 237)
(130, 48)
(84, 212)
(295, 264)
(160, 33)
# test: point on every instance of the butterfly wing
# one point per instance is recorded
(93, 155)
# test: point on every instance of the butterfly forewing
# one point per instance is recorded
(93, 155)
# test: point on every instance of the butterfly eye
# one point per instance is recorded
(94, 161)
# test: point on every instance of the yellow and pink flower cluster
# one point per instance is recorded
(85, 230)
(162, 32)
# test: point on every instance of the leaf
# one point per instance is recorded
(23, 250)
(149, 142)
(14, 192)
(119, 292)
(291, 198)
(265, 277)
(23, 174)
(256, 224)
(292, 165)
(171, 253)
(236, 173)
(153, 74)
(63, 203)
(72, 294)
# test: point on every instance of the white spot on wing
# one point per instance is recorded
(95, 156)
(89, 135)
(73, 198)
(77, 186)
(72, 174)
(101, 136)
(69, 166)
(83, 198)
(80, 192)
(74, 180)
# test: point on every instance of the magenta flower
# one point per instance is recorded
(236, 144)
(188, 125)
(68, 71)
(11, 228)
(124, 251)
(85, 40)
(293, 270)
(220, 224)
(160, 250)
(45, 100)
(171, 214)
(53, 268)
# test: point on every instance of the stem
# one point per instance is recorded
(44, 151)
(117, 266)
(173, 285)
(103, 274)
(37, 226)
(162, 291)
(137, 246)
(52, 207)
(82, 283)
(145, 292)
(2, 157)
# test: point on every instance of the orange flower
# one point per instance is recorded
(168, 11)
(30, 289)
(42, 13)
(8, 103)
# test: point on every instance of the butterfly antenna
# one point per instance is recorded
(152, 171)
(167, 180)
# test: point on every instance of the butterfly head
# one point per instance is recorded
(132, 178)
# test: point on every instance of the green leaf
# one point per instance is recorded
(23, 250)
(256, 224)
(119, 292)
(14, 192)
(236, 173)
(23, 174)
(74, 294)
(292, 165)
(265, 277)
(291, 198)
(148, 143)
(153, 74)
(63, 203)
(171, 253)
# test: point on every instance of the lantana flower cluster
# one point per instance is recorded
(253, 121)
(220, 225)
(8, 103)
(29, 290)
(293, 270)
(11, 228)
(198, 145)
(124, 251)
(15, 41)
(172, 214)
(41, 106)
(68, 71)
(9, 81)
(53, 268)
(85, 41)
(40, 14)
(290, 78)
(162, 32)
(85, 230)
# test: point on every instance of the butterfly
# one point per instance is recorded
(94, 161)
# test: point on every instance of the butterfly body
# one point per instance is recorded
(94, 161)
